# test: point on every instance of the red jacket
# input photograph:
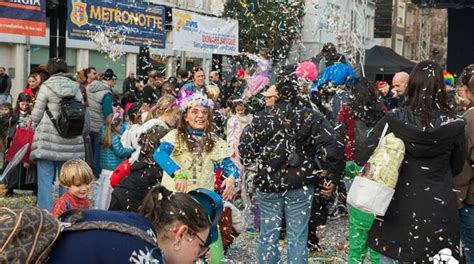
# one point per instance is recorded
(345, 117)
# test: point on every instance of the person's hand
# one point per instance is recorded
(181, 181)
(26, 165)
(207, 256)
(229, 190)
(395, 94)
(181, 185)
(327, 189)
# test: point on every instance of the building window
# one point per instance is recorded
(401, 15)
(399, 44)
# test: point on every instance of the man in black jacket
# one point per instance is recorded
(5, 82)
(296, 151)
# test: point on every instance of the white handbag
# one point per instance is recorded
(370, 196)
(373, 193)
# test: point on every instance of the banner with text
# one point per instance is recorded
(23, 17)
(193, 32)
(139, 23)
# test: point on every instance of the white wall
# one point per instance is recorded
(318, 28)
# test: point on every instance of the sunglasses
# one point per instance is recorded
(204, 247)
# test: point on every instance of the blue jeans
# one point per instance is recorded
(466, 217)
(47, 171)
(295, 204)
(95, 144)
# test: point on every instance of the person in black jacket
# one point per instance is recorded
(422, 219)
(144, 174)
(5, 82)
(152, 90)
(293, 146)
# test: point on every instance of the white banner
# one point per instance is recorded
(197, 33)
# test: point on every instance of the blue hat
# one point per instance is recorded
(213, 205)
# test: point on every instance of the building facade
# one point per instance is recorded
(19, 54)
(418, 33)
(347, 23)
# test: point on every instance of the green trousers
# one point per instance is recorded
(359, 227)
(217, 251)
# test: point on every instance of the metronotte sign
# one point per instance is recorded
(141, 24)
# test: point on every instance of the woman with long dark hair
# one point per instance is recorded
(422, 220)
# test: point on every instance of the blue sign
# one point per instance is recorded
(140, 24)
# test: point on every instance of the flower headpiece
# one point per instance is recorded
(189, 99)
(117, 114)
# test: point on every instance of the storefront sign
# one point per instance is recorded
(139, 23)
(193, 32)
(23, 17)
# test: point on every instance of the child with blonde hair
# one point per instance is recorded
(76, 176)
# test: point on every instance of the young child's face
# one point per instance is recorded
(240, 110)
(23, 106)
(4, 110)
(79, 189)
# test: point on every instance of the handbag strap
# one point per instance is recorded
(385, 129)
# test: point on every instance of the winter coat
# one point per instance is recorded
(47, 143)
(200, 167)
(107, 246)
(111, 157)
(287, 128)
(5, 84)
(95, 95)
(464, 182)
(422, 218)
(151, 94)
(131, 191)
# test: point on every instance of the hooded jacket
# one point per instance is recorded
(287, 128)
(131, 191)
(422, 218)
(47, 143)
(95, 95)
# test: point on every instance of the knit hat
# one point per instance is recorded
(109, 75)
(307, 70)
(382, 84)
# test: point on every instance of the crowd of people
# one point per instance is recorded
(283, 147)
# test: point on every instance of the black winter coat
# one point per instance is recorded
(422, 218)
(287, 128)
(131, 191)
(151, 94)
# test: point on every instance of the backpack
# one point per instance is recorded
(71, 118)
(27, 235)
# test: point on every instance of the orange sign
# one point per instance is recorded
(23, 17)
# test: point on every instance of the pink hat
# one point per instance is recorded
(307, 70)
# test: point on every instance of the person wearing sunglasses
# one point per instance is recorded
(169, 228)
